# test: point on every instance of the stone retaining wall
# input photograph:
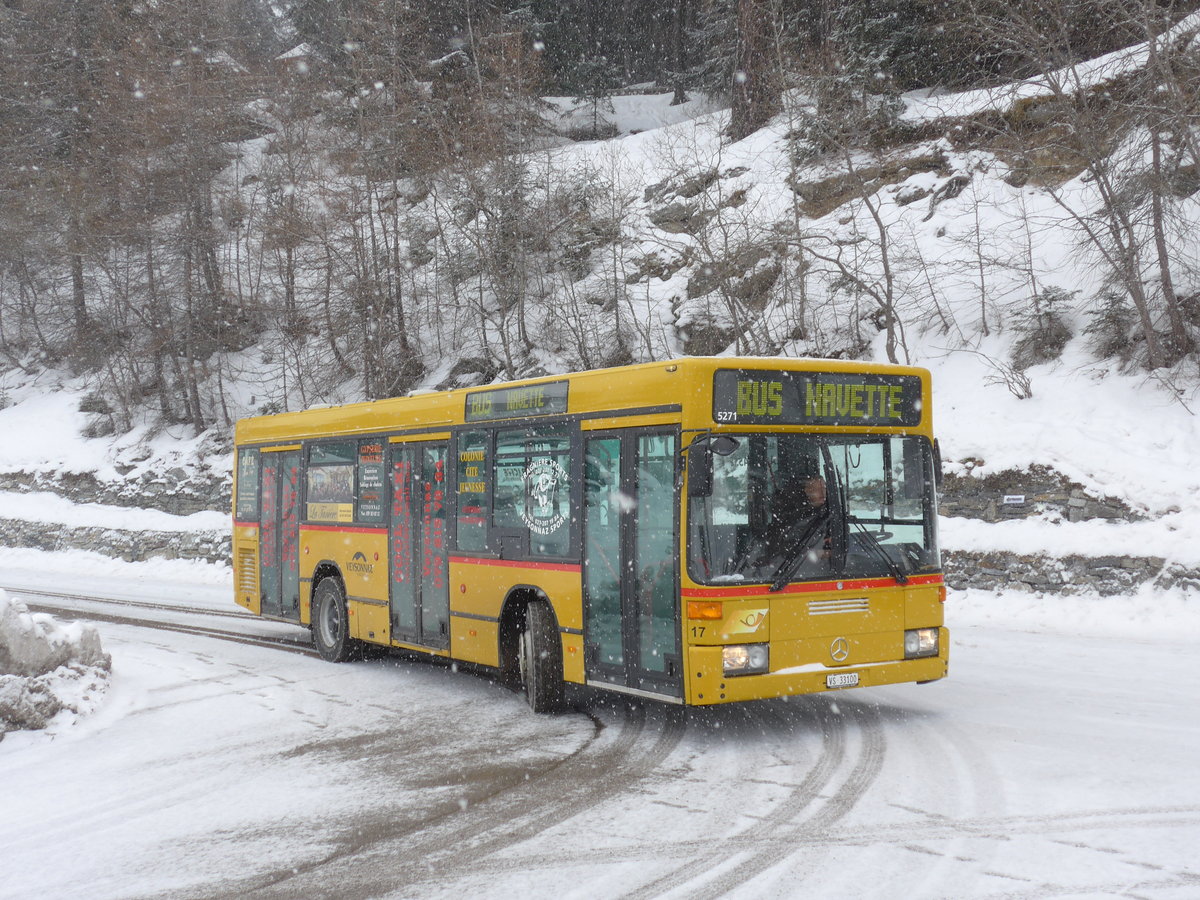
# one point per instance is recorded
(1105, 575)
(1042, 490)
(1013, 494)
(173, 491)
(131, 546)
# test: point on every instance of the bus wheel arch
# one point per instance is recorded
(531, 649)
(329, 616)
(324, 569)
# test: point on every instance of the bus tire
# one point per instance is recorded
(330, 622)
(539, 651)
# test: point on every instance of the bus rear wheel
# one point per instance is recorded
(539, 655)
(330, 623)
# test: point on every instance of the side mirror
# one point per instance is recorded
(700, 471)
(723, 444)
(699, 455)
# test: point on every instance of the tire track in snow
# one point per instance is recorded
(387, 856)
(503, 811)
(290, 645)
(903, 834)
(137, 604)
(724, 857)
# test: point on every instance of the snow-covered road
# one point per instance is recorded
(1051, 763)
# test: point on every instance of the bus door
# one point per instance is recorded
(631, 560)
(279, 535)
(417, 535)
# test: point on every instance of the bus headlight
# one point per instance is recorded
(745, 659)
(920, 642)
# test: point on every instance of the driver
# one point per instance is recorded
(794, 505)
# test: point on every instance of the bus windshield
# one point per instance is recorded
(790, 507)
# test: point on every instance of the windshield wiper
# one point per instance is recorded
(791, 559)
(892, 567)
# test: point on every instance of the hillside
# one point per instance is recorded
(975, 233)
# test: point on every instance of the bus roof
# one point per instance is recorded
(680, 385)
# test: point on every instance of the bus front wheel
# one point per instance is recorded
(539, 654)
(330, 624)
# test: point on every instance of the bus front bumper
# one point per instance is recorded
(709, 685)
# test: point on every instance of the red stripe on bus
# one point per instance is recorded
(517, 564)
(237, 524)
(382, 529)
(809, 587)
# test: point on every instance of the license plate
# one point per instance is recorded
(842, 679)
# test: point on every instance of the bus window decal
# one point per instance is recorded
(544, 479)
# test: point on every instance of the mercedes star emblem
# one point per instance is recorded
(840, 649)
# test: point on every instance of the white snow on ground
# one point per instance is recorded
(632, 113)
(1172, 537)
(42, 428)
(47, 669)
(34, 644)
(180, 582)
(1057, 760)
(1122, 436)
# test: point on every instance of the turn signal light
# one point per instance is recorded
(705, 609)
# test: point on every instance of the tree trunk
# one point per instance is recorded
(1179, 336)
(78, 292)
(679, 10)
(756, 92)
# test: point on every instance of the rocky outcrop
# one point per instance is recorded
(1024, 494)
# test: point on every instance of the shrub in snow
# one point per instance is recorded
(45, 667)
(1112, 327)
(1044, 329)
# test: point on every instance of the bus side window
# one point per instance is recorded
(369, 499)
(247, 486)
(533, 490)
(329, 486)
(473, 498)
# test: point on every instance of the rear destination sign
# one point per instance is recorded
(515, 402)
(763, 397)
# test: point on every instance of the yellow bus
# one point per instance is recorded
(696, 531)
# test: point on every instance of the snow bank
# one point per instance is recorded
(1172, 537)
(1147, 614)
(46, 667)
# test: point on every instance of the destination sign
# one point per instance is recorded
(517, 402)
(763, 397)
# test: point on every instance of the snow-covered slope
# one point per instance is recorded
(701, 221)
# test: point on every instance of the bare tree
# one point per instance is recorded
(1113, 127)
